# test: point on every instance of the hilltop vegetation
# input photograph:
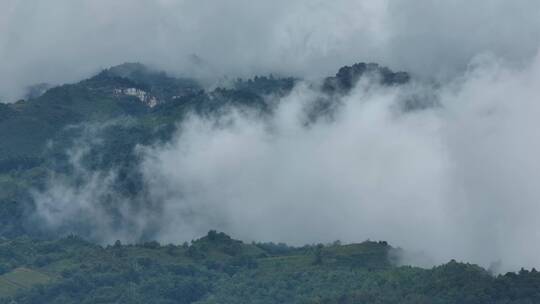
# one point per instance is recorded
(219, 269)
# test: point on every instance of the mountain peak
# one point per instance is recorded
(347, 77)
(129, 70)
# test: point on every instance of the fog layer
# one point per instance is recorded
(458, 180)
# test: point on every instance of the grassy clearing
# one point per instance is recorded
(20, 279)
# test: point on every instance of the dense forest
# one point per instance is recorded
(219, 269)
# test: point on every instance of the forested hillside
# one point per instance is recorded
(115, 111)
(219, 269)
(128, 106)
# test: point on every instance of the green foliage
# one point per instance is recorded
(71, 270)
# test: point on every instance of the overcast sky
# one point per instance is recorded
(66, 40)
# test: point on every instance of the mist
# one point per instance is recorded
(457, 180)
(64, 41)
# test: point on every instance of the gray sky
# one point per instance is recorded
(65, 40)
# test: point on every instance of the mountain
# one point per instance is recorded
(127, 105)
(38, 134)
(129, 89)
(153, 98)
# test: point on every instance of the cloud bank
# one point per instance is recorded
(458, 180)
(65, 40)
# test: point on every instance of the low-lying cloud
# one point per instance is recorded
(457, 180)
